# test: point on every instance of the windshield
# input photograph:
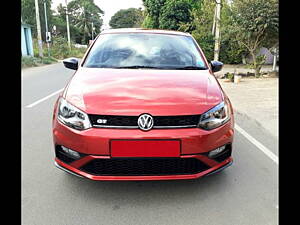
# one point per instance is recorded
(142, 50)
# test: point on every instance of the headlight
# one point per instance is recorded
(215, 117)
(72, 116)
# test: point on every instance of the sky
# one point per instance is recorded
(110, 7)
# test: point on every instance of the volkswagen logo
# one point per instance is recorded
(145, 122)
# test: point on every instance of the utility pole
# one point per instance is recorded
(274, 59)
(214, 23)
(47, 38)
(68, 29)
(92, 17)
(217, 32)
(92, 30)
(38, 25)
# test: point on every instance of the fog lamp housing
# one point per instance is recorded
(71, 153)
(216, 151)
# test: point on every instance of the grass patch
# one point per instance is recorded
(29, 61)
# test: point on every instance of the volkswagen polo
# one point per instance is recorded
(143, 105)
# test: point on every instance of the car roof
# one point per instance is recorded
(143, 30)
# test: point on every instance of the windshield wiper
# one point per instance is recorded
(137, 67)
(190, 68)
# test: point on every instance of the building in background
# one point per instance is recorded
(262, 51)
(26, 40)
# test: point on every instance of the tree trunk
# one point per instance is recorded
(256, 67)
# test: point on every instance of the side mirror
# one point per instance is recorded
(71, 63)
(216, 66)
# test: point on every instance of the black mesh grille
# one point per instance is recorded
(144, 166)
(159, 121)
(176, 120)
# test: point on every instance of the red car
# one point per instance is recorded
(143, 105)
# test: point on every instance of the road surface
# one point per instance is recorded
(246, 193)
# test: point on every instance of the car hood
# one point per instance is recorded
(136, 91)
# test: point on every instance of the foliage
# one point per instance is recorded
(202, 23)
(175, 12)
(81, 15)
(246, 25)
(59, 49)
(260, 60)
(169, 14)
(197, 17)
(29, 61)
(230, 51)
(148, 22)
(153, 12)
(252, 22)
(127, 18)
(59, 20)
(84, 13)
(229, 76)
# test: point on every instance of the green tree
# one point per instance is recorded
(230, 51)
(202, 23)
(202, 30)
(59, 20)
(169, 14)
(82, 14)
(174, 13)
(127, 18)
(153, 12)
(253, 22)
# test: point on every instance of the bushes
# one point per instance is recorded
(29, 61)
(231, 52)
(59, 49)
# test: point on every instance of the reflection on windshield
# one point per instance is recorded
(144, 51)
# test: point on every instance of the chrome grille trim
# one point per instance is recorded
(131, 122)
(136, 127)
(119, 127)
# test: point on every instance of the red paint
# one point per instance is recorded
(133, 92)
(95, 141)
(145, 148)
(111, 91)
(132, 178)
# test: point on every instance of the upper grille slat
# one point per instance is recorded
(130, 122)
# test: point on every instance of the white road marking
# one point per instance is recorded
(259, 145)
(43, 99)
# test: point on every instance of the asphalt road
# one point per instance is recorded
(244, 194)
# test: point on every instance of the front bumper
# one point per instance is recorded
(94, 144)
(74, 171)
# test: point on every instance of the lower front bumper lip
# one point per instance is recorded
(67, 168)
(220, 169)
